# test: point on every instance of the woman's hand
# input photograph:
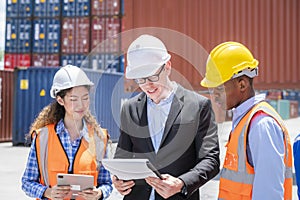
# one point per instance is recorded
(90, 194)
(57, 192)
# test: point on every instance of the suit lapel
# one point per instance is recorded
(176, 107)
(142, 114)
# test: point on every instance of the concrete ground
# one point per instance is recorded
(13, 161)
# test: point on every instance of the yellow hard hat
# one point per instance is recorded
(228, 60)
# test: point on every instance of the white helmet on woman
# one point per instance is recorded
(67, 77)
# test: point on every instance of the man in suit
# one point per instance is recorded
(169, 125)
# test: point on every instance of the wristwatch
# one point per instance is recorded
(183, 190)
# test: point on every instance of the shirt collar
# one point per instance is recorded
(242, 109)
(60, 129)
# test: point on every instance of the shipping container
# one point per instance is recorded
(46, 35)
(78, 8)
(108, 98)
(75, 35)
(68, 35)
(98, 7)
(11, 39)
(32, 86)
(97, 34)
(113, 29)
(12, 8)
(69, 8)
(25, 8)
(82, 35)
(6, 105)
(15, 60)
(294, 109)
(106, 8)
(19, 8)
(283, 108)
(269, 28)
(46, 8)
(79, 60)
(45, 60)
(82, 8)
(18, 35)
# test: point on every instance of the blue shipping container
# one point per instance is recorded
(44, 8)
(25, 8)
(107, 100)
(33, 85)
(75, 59)
(46, 38)
(19, 8)
(69, 8)
(24, 43)
(82, 7)
(11, 39)
(18, 35)
(12, 8)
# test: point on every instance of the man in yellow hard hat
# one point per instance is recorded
(258, 160)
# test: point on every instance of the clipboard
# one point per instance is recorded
(130, 169)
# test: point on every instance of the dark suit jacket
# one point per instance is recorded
(189, 148)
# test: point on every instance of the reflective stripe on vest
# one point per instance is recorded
(237, 175)
(48, 134)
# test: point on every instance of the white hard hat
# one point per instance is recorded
(145, 56)
(67, 77)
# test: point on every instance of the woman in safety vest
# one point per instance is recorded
(258, 160)
(67, 139)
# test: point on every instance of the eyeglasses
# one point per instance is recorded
(153, 78)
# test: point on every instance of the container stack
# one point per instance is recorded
(18, 34)
(53, 33)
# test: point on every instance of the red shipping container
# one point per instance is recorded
(82, 35)
(98, 7)
(68, 35)
(98, 34)
(112, 7)
(112, 37)
(16, 60)
(38, 60)
(45, 60)
(10, 61)
(24, 60)
(52, 60)
(294, 109)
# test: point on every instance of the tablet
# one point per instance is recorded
(130, 169)
(78, 182)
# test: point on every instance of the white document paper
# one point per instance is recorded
(129, 169)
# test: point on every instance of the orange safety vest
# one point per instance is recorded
(237, 175)
(52, 158)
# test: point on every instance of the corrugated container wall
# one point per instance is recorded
(31, 89)
(269, 28)
(109, 96)
(6, 105)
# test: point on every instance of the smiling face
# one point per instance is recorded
(76, 102)
(160, 89)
